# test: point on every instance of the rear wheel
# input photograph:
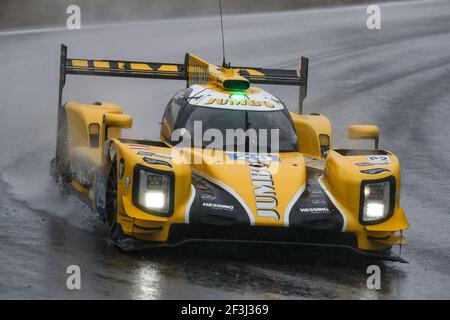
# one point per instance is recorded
(62, 181)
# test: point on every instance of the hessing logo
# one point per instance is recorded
(218, 206)
(314, 210)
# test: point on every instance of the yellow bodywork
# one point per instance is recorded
(341, 177)
(315, 131)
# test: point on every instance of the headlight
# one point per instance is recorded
(153, 190)
(377, 200)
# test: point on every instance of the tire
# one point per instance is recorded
(111, 199)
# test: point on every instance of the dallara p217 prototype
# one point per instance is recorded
(158, 193)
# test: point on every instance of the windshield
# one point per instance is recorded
(270, 131)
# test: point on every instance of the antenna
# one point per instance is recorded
(223, 38)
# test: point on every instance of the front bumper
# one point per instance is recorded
(182, 234)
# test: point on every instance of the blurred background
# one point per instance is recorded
(51, 13)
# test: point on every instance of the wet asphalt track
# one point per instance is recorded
(398, 78)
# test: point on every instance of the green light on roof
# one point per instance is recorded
(239, 96)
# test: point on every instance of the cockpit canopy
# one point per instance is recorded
(263, 118)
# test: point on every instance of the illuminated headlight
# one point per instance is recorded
(155, 199)
(374, 211)
(153, 192)
(376, 200)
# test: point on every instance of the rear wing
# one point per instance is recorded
(194, 71)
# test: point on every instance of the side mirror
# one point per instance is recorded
(117, 120)
(364, 131)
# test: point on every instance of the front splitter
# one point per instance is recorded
(133, 244)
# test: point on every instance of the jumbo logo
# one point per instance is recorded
(234, 102)
(264, 191)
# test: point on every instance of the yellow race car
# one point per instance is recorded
(174, 190)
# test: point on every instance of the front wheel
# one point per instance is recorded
(111, 198)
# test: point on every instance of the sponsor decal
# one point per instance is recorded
(138, 147)
(368, 164)
(375, 161)
(375, 171)
(100, 195)
(239, 102)
(258, 164)
(208, 196)
(260, 101)
(264, 191)
(378, 159)
(152, 154)
(252, 156)
(203, 188)
(314, 210)
(157, 162)
(218, 206)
